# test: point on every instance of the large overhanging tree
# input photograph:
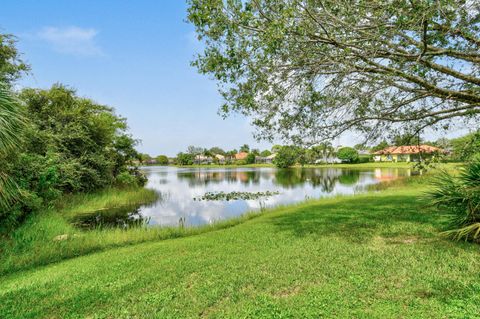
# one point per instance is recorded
(310, 70)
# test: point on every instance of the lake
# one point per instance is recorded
(180, 188)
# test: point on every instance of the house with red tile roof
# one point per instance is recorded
(241, 156)
(407, 153)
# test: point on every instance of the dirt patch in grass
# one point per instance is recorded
(288, 292)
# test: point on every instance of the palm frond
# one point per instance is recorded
(459, 197)
(8, 191)
(11, 120)
(11, 124)
(470, 232)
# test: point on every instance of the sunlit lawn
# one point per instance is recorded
(371, 256)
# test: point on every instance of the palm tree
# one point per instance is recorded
(245, 148)
(11, 124)
(458, 196)
(326, 150)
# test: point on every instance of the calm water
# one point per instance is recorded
(179, 186)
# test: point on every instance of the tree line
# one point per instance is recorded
(459, 149)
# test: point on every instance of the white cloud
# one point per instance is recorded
(72, 40)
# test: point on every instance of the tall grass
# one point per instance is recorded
(458, 196)
(72, 205)
(34, 242)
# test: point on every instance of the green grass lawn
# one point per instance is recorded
(377, 255)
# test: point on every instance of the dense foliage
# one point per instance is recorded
(185, 158)
(311, 70)
(250, 158)
(11, 64)
(286, 157)
(464, 148)
(245, 148)
(70, 145)
(459, 198)
(265, 153)
(348, 155)
(162, 160)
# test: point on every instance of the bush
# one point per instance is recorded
(459, 197)
(162, 160)
(86, 142)
(129, 179)
(464, 148)
(364, 159)
(250, 158)
(348, 155)
(71, 144)
(185, 159)
(286, 157)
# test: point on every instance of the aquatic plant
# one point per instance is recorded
(235, 195)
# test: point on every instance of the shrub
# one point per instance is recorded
(265, 153)
(86, 144)
(364, 159)
(126, 180)
(464, 148)
(459, 197)
(185, 159)
(348, 155)
(286, 157)
(162, 160)
(250, 158)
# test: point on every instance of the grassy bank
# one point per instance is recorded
(49, 236)
(376, 255)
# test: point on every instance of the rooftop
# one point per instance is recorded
(410, 149)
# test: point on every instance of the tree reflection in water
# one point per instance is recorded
(119, 217)
(179, 187)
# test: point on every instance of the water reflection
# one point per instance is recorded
(120, 217)
(179, 187)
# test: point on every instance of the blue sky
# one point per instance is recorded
(132, 55)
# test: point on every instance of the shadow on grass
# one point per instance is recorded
(358, 219)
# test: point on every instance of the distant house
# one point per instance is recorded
(220, 158)
(241, 156)
(409, 153)
(265, 159)
(202, 159)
